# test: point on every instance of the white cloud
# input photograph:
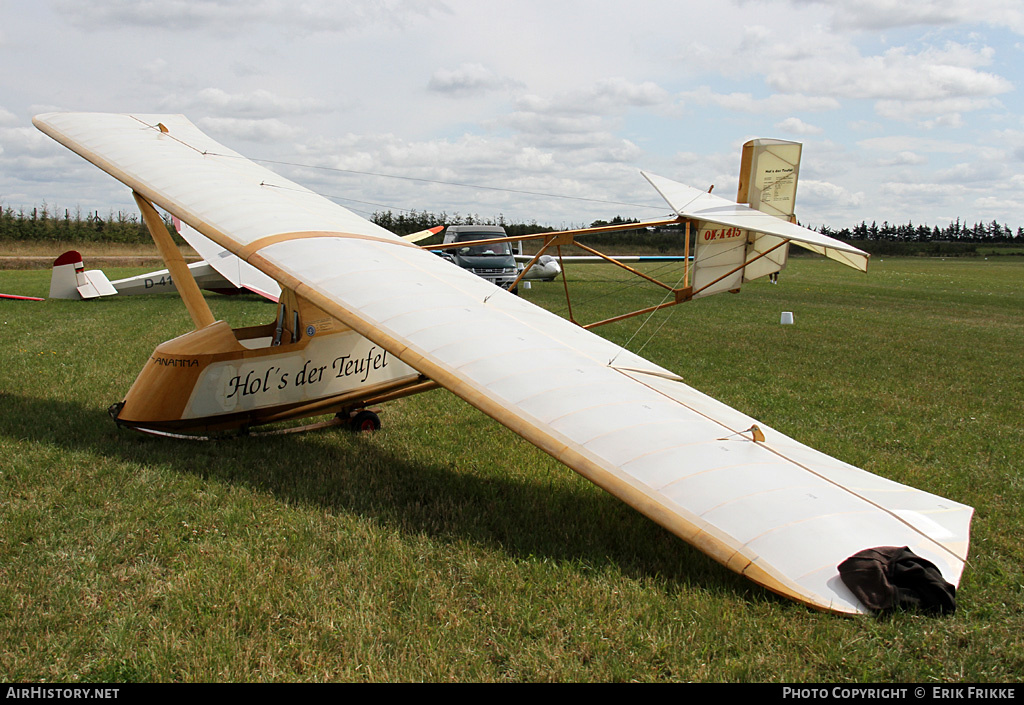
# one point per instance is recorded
(259, 102)
(554, 127)
(606, 97)
(975, 172)
(796, 126)
(904, 158)
(533, 159)
(155, 67)
(269, 130)
(889, 14)
(231, 15)
(467, 80)
(912, 143)
(898, 74)
(28, 142)
(745, 102)
(934, 113)
(618, 92)
(922, 191)
(832, 194)
(924, 79)
(990, 204)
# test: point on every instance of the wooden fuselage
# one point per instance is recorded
(306, 363)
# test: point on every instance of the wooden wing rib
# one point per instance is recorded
(776, 511)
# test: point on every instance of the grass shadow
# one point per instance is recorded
(354, 474)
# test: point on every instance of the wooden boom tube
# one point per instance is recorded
(197, 307)
(614, 261)
(624, 316)
(570, 233)
(533, 261)
(686, 255)
(359, 397)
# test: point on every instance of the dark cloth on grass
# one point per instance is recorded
(892, 577)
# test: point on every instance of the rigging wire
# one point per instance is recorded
(457, 184)
(624, 285)
(647, 319)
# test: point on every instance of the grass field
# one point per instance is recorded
(445, 548)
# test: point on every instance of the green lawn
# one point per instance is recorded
(445, 548)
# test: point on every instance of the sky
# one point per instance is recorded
(540, 110)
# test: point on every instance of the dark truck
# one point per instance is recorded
(494, 262)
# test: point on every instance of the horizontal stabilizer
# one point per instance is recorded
(69, 280)
(701, 206)
(96, 284)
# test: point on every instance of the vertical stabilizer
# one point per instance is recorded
(64, 279)
(69, 279)
(769, 171)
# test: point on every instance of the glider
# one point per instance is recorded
(219, 271)
(548, 267)
(365, 316)
(70, 280)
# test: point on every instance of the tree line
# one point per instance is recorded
(46, 224)
(43, 224)
(954, 232)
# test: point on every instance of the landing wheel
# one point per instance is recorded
(365, 421)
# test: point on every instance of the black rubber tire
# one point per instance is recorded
(365, 421)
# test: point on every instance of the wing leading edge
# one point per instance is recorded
(775, 510)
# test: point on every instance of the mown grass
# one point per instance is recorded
(445, 548)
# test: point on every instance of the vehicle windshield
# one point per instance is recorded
(495, 248)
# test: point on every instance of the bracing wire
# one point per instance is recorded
(457, 184)
(646, 320)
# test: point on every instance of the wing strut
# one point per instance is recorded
(197, 307)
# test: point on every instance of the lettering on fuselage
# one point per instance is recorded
(330, 364)
(712, 234)
(175, 362)
(347, 366)
(310, 373)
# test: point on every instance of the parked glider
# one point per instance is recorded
(365, 316)
(219, 271)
